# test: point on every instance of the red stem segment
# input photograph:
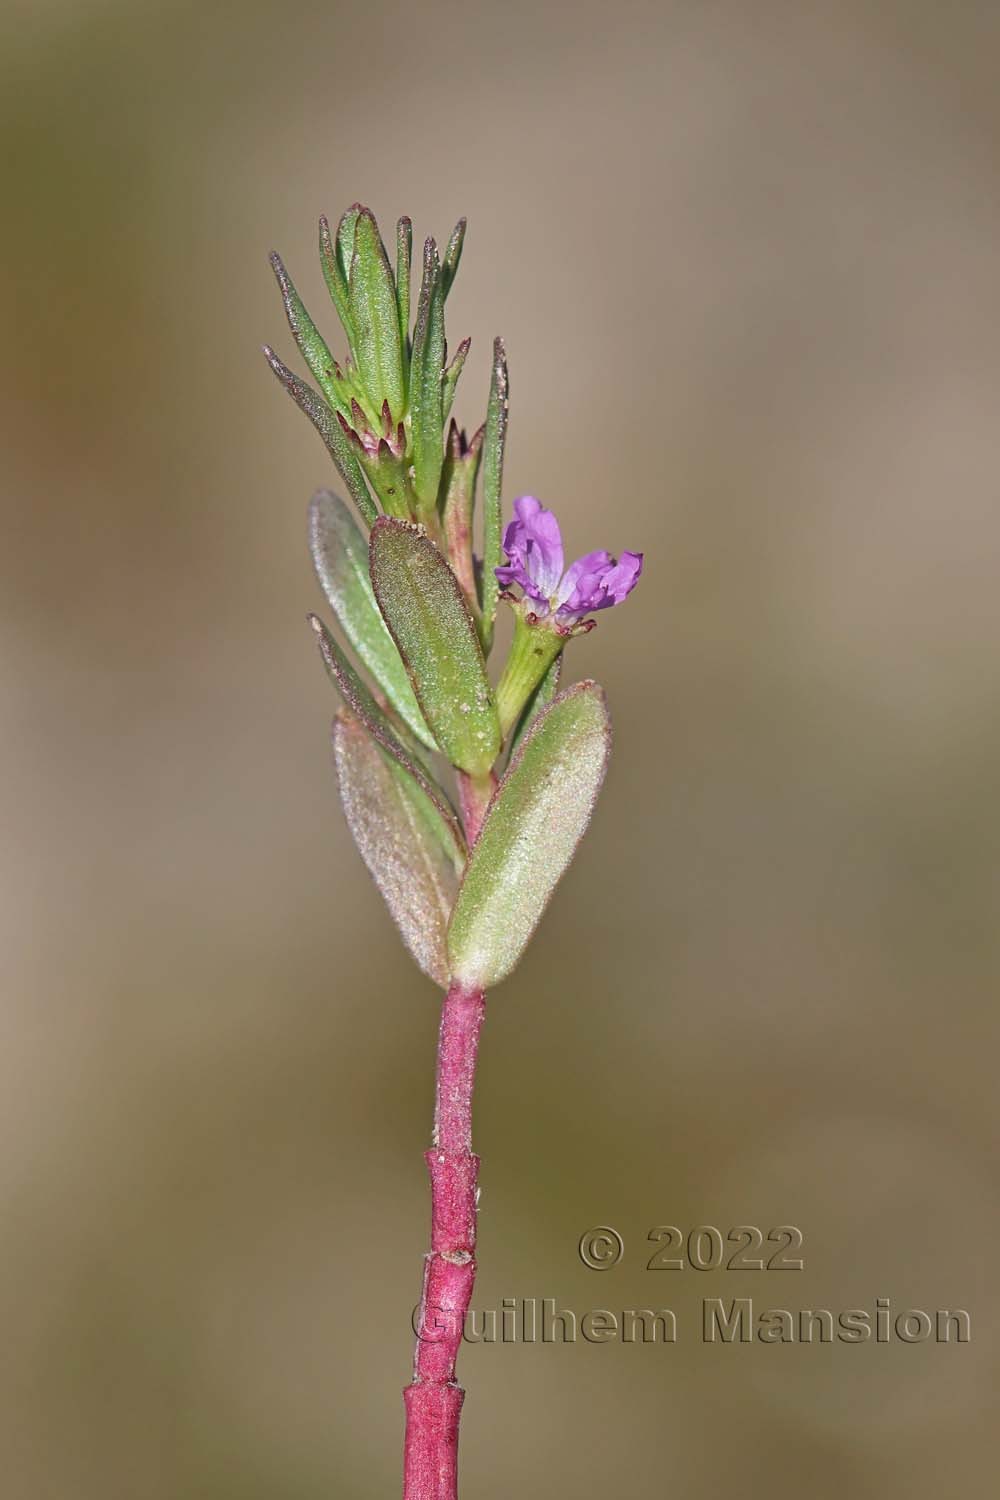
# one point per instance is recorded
(434, 1398)
(473, 800)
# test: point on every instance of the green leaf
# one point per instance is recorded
(450, 378)
(326, 424)
(340, 555)
(375, 318)
(426, 367)
(535, 820)
(404, 253)
(493, 449)
(540, 698)
(452, 256)
(359, 699)
(402, 841)
(345, 240)
(335, 277)
(312, 345)
(428, 618)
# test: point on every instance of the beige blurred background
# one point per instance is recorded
(745, 259)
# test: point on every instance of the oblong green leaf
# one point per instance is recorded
(424, 607)
(402, 841)
(404, 254)
(375, 318)
(535, 820)
(340, 556)
(426, 368)
(363, 705)
(335, 277)
(493, 450)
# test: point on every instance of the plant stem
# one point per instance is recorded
(533, 650)
(474, 795)
(434, 1399)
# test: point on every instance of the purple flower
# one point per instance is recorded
(533, 544)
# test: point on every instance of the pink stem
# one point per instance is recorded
(473, 799)
(434, 1398)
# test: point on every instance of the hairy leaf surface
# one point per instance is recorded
(402, 840)
(360, 701)
(428, 617)
(535, 820)
(340, 554)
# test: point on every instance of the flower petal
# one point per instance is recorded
(624, 576)
(577, 575)
(533, 541)
(599, 582)
(516, 573)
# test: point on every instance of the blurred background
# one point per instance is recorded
(744, 258)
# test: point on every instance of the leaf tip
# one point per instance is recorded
(280, 369)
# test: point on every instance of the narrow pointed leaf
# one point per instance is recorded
(426, 367)
(540, 699)
(345, 240)
(452, 256)
(325, 422)
(335, 278)
(535, 820)
(399, 835)
(450, 378)
(404, 254)
(375, 317)
(458, 495)
(424, 607)
(312, 345)
(493, 450)
(340, 555)
(360, 701)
